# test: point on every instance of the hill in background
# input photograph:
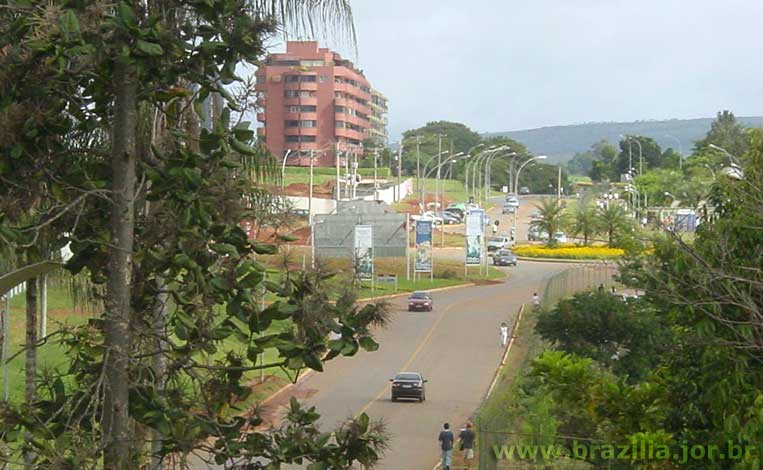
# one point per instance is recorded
(560, 143)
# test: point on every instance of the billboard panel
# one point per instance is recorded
(474, 233)
(423, 261)
(364, 251)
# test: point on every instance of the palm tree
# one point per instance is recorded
(612, 220)
(586, 223)
(552, 218)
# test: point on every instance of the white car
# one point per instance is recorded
(512, 201)
(429, 215)
(560, 237)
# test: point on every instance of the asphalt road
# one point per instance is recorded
(456, 347)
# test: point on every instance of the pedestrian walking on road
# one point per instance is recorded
(504, 334)
(446, 445)
(536, 301)
(466, 438)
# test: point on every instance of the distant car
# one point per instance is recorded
(456, 211)
(536, 215)
(508, 209)
(560, 237)
(535, 234)
(450, 218)
(420, 301)
(302, 213)
(408, 385)
(498, 243)
(512, 201)
(504, 258)
(428, 216)
(524, 190)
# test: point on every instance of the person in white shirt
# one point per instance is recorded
(504, 334)
(536, 300)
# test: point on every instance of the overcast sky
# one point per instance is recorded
(499, 65)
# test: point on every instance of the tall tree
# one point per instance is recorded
(613, 220)
(647, 155)
(586, 222)
(67, 71)
(727, 133)
(551, 218)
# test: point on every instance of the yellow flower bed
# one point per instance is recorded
(569, 251)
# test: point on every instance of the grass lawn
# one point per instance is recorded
(62, 313)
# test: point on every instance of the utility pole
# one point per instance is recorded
(376, 191)
(439, 161)
(418, 164)
(559, 184)
(338, 184)
(310, 197)
(399, 170)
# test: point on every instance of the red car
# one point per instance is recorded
(420, 301)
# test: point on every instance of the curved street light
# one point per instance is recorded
(519, 171)
(488, 169)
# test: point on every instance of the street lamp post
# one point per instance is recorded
(488, 170)
(442, 188)
(516, 182)
(680, 150)
(283, 168)
(424, 173)
(472, 167)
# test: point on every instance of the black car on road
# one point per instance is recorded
(408, 385)
(420, 301)
(504, 258)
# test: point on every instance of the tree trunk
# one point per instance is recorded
(116, 427)
(159, 365)
(31, 355)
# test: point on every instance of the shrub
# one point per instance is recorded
(567, 251)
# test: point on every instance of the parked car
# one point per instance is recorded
(508, 209)
(536, 215)
(504, 258)
(560, 237)
(498, 243)
(301, 213)
(524, 190)
(408, 385)
(428, 215)
(456, 211)
(420, 301)
(450, 218)
(535, 234)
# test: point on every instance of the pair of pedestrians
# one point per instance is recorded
(466, 444)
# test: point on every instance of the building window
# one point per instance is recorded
(291, 123)
(339, 124)
(340, 109)
(300, 138)
(322, 78)
(293, 109)
(307, 123)
(292, 78)
(308, 109)
(306, 94)
(291, 93)
(312, 63)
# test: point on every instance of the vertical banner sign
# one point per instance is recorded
(364, 251)
(423, 262)
(474, 232)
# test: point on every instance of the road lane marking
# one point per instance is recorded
(410, 360)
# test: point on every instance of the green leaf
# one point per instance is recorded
(149, 48)
(127, 15)
(367, 343)
(313, 361)
(241, 147)
(69, 23)
(263, 249)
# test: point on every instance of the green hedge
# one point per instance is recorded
(382, 172)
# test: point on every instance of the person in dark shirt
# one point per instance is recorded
(466, 437)
(446, 439)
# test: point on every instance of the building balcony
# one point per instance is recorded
(349, 133)
(300, 131)
(300, 116)
(313, 100)
(311, 86)
(351, 119)
(352, 104)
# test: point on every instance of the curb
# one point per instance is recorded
(506, 353)
(403, 294)
(565, 260)
(300, 378)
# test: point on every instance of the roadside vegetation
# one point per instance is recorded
(569, 251)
